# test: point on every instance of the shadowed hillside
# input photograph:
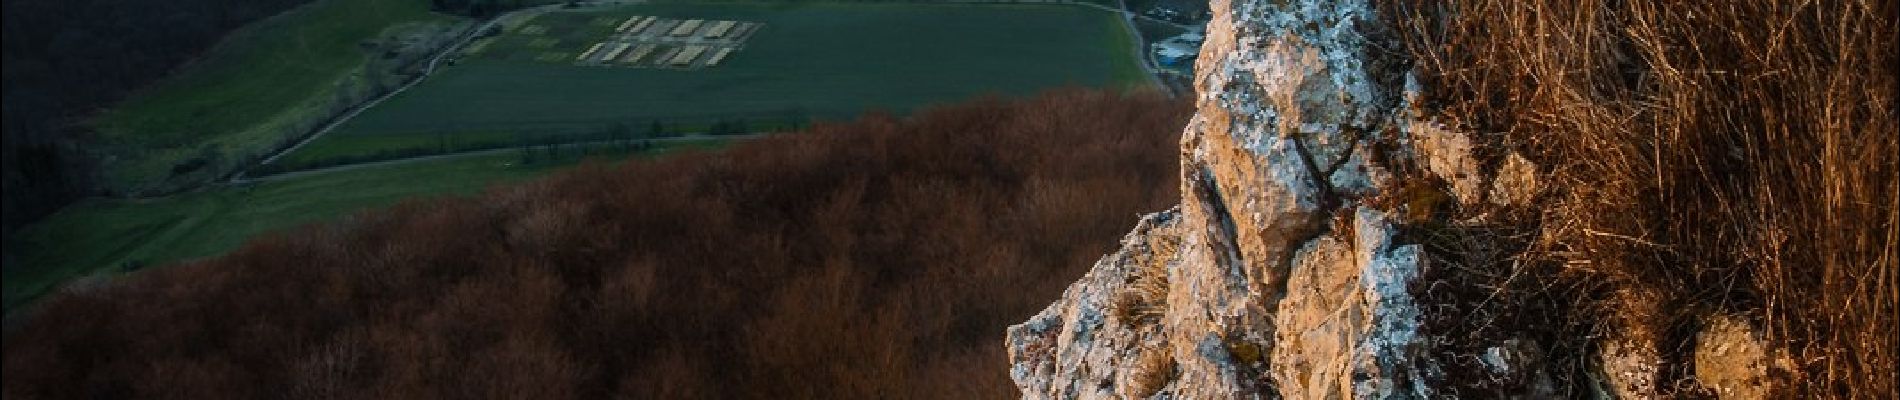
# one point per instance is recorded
(66, 58)
(874, 258)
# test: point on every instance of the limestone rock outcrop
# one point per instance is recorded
(1273, 278)
(1312, 179)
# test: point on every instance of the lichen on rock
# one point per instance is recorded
(1314, 182)
(1288, 95)
(1076, 340)
(1279, 275)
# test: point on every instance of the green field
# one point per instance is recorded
(811, 60)
(246, 94)
(103, 235)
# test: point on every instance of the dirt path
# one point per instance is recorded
(400, 161)
(1127, 17)
(429, 69)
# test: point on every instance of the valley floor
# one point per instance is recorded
(811, 61)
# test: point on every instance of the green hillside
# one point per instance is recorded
(252, 90)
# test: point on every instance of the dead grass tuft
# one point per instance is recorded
(1144, 299)
(1154, 368)
(1727, 157)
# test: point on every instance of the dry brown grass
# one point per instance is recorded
(1144, 299)
(1727, 157)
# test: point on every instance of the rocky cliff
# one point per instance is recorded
(1302, 259)
(1282, 273)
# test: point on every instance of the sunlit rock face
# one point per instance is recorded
(1289, 269)
(1271, 279)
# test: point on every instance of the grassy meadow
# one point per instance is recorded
(810, 60)
(241, 95)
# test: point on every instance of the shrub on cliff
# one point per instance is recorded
(1719, 158)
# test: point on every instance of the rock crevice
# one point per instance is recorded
(1262, 297)
(1288, 270)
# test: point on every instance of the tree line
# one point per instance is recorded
(879, 258)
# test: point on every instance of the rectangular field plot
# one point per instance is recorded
(615, 52)
(645, 22)
(776, 62)
(639, 52)
(686, 57)
(589, 54)
(718, 56)
(629, 23)
(697, 42)
(623, 41)
(719, 28)
(685, 29)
